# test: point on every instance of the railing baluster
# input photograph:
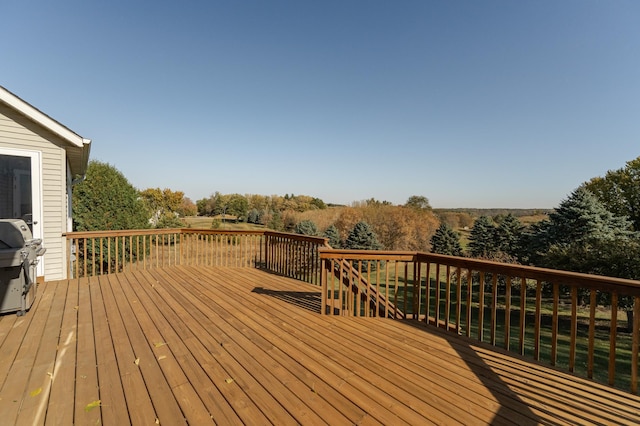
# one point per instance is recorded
(138, 253)
(554, 324)
(359, 298)
(427, 294)
(369, 295)
(523, 314)
(469, 300)
(447, 298)
(108, 265)
(635, 344)
(613, 334)
(458, 298)
(386, 291)
(406, 284)
(494, 307)
(395, 289)
(378, 291)
(481, 308)
(84, 263)
(574, 328)
(93, 256)
(507, 313)
(437, 296)
(324, 286)
(592, 332)
(101, 256)
(70, 254)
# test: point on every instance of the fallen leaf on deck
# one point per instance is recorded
(161, 357)
(137, 361)
(229, 380)
(35, 392)
(90, 406)
(157, 345)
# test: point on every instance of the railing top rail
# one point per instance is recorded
(513, 270)
(120, 233)
(299, 237)
(160, 231)
(533, 272)
(329, 253)
(222, 231)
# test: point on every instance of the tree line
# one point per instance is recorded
(106, 200)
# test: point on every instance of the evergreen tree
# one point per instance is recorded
(482, 238)
(446, 241)
(306, 227)
(581, 217)
(579, 220)
(362, 237)
(332, 234)
(508, 235)
(619, 191)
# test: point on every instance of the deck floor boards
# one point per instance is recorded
(220, 345)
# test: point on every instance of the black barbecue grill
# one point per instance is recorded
(19, 253)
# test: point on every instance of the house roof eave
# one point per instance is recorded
(43, 119)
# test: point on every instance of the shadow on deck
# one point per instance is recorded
(309, 300)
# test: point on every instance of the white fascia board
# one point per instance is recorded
(42, 119)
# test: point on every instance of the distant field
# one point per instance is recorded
(205, 222)
(519, 213)
(528, 220)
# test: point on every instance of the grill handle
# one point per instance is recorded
(25, 268)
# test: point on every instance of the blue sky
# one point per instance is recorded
(469, 103)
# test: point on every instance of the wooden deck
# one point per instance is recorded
(241, 346)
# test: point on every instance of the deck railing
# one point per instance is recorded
(105, 252)
(562, 318)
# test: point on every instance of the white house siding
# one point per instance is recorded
(16, 132)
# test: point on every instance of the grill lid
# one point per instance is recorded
(14, 233)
